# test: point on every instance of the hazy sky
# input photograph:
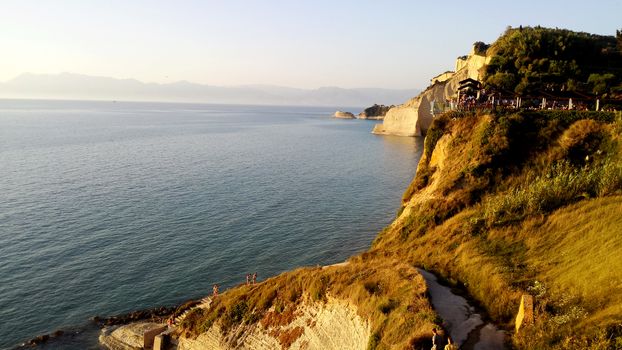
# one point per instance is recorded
(391, 44)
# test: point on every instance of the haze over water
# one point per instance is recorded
(111, 207)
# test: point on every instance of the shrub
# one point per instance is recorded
(374, 341)
(581, 139)
(372, 287)
(387, 306)
(266, 302)
(562, 185)
(569, 117)
(318, 288)
(435, 132)
(234, 315)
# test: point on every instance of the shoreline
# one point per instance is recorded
(41, 328)
(158, 314)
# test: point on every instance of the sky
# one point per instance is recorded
(296, 43)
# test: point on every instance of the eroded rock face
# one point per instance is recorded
(343, 115)
(128, 337)
(375, 112)
(330, 325)
(414, 117)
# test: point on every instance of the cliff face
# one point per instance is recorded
(367, 302)
(413, 118)
(333, 325)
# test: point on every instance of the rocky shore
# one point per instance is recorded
(109, 324)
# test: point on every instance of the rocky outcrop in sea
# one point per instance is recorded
(343, 115)
(375, 112)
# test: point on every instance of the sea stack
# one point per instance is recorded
(375, 112)
(343, 115)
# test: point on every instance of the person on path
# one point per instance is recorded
(215, 290)
(248, 279)
(254, 278)
(437, 340)
(450, 345)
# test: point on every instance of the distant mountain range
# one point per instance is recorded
(78, 86)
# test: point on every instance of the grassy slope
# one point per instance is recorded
(502, 205)
(509, 204)
(388, 293)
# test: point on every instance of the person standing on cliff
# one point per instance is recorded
(254, 278)
(437, 340)
(248, 279)
(450, 345)
(215, 290)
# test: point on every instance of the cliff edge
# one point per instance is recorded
(312, 326)
(504, 203)
(368, 302)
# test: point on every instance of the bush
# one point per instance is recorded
(581, 139)
(435, 132)
(569, 117)
(234, 315)
(372, 287)
(318, 288)
(374, 340)
(387, 306)
(563, 185)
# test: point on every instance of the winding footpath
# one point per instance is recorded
(464, 324)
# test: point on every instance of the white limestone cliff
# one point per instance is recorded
(331, 325)
(414, 117)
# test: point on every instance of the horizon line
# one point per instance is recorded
(204, 84)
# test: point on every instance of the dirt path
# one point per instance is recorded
(461, 319)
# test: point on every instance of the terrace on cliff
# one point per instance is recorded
(531, 68)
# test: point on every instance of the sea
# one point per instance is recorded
(108, 207)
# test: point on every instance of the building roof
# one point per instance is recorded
(469, 84)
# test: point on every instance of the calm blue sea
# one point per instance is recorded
(111, 207)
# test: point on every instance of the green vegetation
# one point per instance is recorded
(527, 202)
(530, 60)
(503, 204)
(512, 203)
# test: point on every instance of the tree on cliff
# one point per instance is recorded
(531, 60)
(601, 83)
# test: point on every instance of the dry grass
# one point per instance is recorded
(575, 253)
(389, 294)
(525, 204)
(501, 205)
